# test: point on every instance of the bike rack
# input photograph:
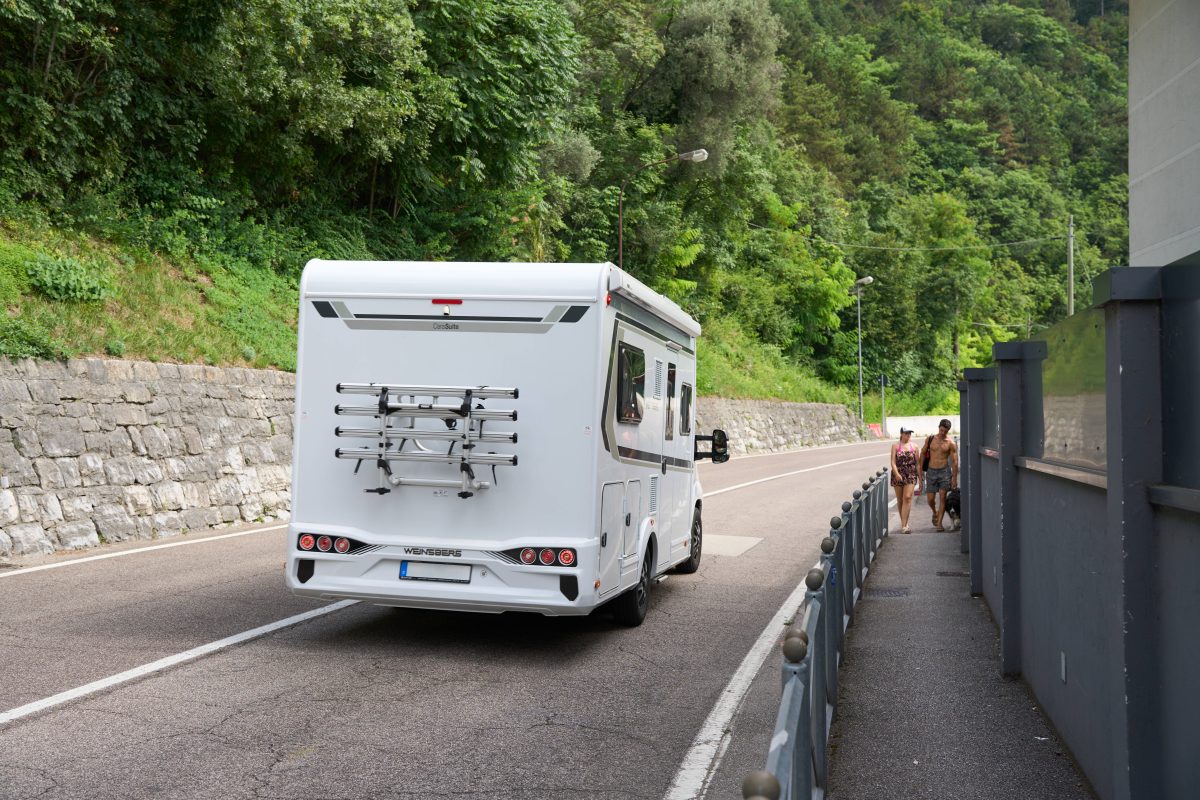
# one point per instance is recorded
(399, 406)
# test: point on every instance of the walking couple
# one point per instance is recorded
(935, 467)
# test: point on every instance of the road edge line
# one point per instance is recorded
(46, 703)
(102, 556)
(788, 475)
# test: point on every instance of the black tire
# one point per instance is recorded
(697, 545)
(630, 608)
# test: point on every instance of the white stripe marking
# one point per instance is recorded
(136, 550)
(701, 761)
(787, 475)
(164, 663)
(796, 450)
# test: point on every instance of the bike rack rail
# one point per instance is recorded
(399, 406)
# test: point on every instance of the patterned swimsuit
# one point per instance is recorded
(906, 466)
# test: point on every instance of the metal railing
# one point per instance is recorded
(797, 762)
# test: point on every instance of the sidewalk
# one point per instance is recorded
(922, 709)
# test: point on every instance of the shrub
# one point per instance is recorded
(69, 279)
(19, 338)
(14, 271)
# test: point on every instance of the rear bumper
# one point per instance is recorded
(495, 586)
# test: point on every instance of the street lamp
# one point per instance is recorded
(691, 155)
(857, 290)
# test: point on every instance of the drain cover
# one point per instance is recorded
(888, 591)
(945, 574)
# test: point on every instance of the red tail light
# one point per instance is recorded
(307, 541)
(324, 543)
(528, 556)
(566, 557)
(547, 556)
(341, 544)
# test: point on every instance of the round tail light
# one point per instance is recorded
(566, 557)
(547, 556)
(307, 541)
(324, 543)
(341, 544)
(528, 556)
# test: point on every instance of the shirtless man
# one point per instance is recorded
(942, 474)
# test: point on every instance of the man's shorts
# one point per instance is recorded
(937, 479)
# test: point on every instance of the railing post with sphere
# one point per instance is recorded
(832, 604)
(819, 709)
(846, 545)
(760, 785)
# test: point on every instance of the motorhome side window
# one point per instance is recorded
(670, 430)
(631, 383)
(685, 410)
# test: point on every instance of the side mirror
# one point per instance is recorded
(720, 447)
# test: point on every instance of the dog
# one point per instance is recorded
(954, 508)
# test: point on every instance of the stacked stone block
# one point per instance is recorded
(765, 426)
(98, 450)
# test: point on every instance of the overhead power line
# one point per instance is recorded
(932, 249)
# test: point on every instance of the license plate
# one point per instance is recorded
(431, 571)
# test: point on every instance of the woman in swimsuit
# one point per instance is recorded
(904, 476)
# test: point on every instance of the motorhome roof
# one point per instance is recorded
(581, 283)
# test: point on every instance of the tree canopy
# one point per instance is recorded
(911, 140)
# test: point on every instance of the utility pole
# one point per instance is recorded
(1070, 265)
(861, 417)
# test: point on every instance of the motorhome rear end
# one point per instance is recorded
(490, 437)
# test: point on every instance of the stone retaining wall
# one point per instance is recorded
(93, 450)
(96, 450)
(764, 426)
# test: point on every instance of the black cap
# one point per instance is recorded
(906, 430)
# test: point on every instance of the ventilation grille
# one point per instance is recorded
(653, 494)
(658, 379)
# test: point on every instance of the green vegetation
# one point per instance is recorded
(166, 169)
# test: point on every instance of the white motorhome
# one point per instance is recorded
(493, 437)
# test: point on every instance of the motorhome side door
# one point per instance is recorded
(633, 518)
(612, 536)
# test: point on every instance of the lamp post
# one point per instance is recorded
(692, 155)
(857, 290)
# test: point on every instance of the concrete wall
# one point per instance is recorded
(1164, 132)
(921, 426)
(1177, 535)
(96, 450)
(1070, 613)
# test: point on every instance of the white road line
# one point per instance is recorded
(181, 543)
(787, 475)
(795, 450)
(164, 663)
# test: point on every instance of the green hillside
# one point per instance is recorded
(166, 169)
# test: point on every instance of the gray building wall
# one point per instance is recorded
(1164, 132)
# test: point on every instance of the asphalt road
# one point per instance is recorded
(371, 702)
